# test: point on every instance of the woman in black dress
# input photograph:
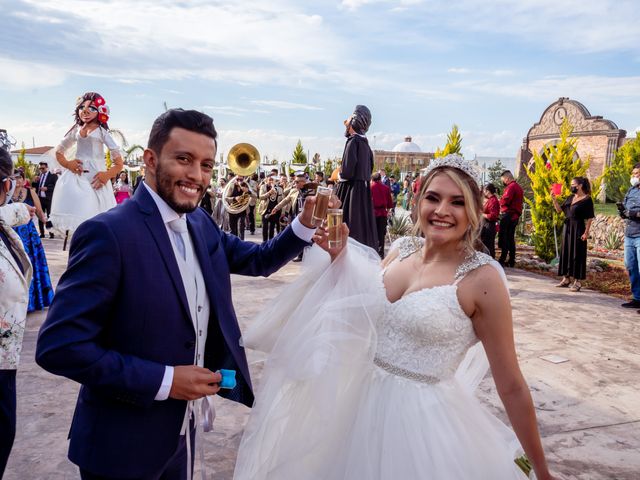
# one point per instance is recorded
(578, 210)
(354, 190)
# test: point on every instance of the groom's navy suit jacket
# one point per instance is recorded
(120, 315)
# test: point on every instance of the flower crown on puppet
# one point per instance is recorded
(100, 103)
(454, 160)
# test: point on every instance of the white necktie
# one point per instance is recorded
(179, 228)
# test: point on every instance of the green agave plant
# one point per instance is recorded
(400, 227)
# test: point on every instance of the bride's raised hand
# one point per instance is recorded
(321, 238)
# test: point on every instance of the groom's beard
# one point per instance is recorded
(166, 190)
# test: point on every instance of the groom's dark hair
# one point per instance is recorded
(191, 120)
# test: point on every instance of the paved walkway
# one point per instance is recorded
(588, 407)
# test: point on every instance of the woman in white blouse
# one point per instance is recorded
(15, 277)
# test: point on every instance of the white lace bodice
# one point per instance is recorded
(425, 334)
(90, 149)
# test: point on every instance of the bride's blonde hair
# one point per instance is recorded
(472, 204)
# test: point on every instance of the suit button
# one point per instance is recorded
(189, 345)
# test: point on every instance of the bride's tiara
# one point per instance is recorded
(454, 160)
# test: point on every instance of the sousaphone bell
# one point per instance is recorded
(243, 160)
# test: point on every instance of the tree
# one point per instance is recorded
(123, 142)
(454, 143)
(328, 168)
(494, 172)
(29, 169)
(558, 163)
(130, 153)
(298, 154)
(615, 179)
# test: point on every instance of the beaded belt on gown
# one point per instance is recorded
(401, 372)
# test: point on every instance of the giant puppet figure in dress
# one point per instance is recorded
(84, 189)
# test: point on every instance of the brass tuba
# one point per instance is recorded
(243, 160)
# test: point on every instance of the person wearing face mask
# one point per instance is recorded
(579, 213)
(15, 278)
(629, 209)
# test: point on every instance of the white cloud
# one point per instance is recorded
(458, 70)
(231, 110)
(279, 145)
(215, 41)
(38, 133)
(502, 73)
(285, 105)
(19, 75)
(577, 87)
(396, 5)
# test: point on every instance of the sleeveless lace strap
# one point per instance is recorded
(475, 260)
(407, 246)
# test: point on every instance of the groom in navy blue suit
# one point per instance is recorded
(143, 315)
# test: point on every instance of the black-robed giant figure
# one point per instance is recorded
(354, 190)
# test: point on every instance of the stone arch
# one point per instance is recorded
(598, 138)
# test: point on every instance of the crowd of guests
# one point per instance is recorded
(276, 198)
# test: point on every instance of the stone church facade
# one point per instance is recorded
(598, 138)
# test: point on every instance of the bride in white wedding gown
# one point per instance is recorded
(371, 370)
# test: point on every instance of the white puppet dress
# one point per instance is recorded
(74, 198)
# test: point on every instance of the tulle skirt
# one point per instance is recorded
(75, 200)
(40, 290)
(325, 411)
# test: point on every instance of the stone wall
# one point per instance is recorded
(604, 227)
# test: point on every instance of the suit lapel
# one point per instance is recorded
(158, 231)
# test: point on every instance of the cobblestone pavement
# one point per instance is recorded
(588, 407)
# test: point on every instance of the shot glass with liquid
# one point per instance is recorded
(334, 226)
(322, 204)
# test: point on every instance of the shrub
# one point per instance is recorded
(559, 163)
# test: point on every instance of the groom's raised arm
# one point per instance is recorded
(69, 342)
(248, 258)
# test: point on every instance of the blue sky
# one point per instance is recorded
(272, 72)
